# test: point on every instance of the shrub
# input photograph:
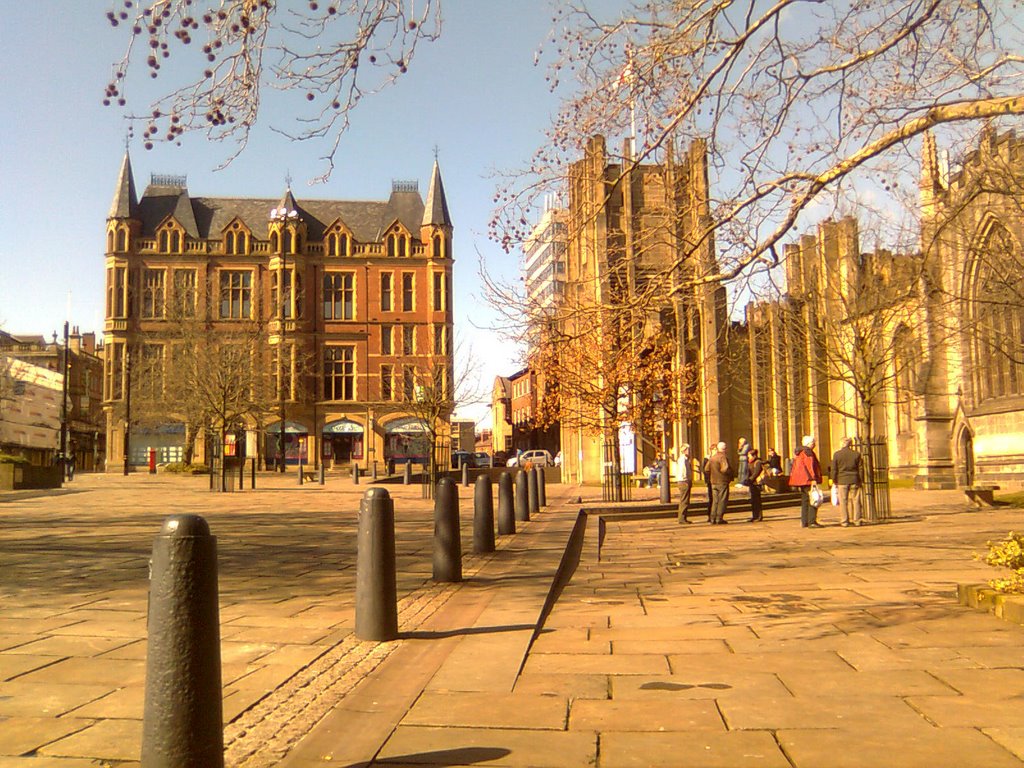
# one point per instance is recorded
(180, 467)
(7, 458)
(1008, 553)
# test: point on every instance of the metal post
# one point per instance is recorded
(506, 507)
(66, 369)
(522, 496)
(252, 475)
(300, 469)
(542, 487)
(665, 487)
(407, 473)
(483, 516)
(373, 475)
(376, 591)
(532, 496)
(322, 477)
(182, 723)
(355, 474)
(447, 538)
(465, 474)
(241, 474)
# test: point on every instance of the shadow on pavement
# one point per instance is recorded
(428, 635)
(444, 757)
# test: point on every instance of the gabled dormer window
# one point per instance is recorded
(236, 240)
(170, 240)
(338, 241)
(398, 244)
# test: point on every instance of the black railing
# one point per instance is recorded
(875, 454)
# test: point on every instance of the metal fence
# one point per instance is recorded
(442, 465)
(615, 485)
(876, 478)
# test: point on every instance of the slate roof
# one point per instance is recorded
(207, 217)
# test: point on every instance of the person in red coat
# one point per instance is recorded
(806, 472)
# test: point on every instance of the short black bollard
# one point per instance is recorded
(182, 722)
(376, 593)
(355, 474)
(252, 476)
(533, 498)
(407, 473)
(323, 472)
(522, 496)
(664, 485)
(506, 507)
(241, 474)
(300, 471)
(483, 516)
(373, 476)
(542, 487)
(447, 538)
(465, 474)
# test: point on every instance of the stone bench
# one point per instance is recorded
(981, 495)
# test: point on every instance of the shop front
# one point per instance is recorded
(343, 442)
(296, 438)
(406, 440)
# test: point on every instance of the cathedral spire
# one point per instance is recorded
(435, 212)
(125, 200)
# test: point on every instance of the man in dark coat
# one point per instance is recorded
(755, 468)
(721, 473)
(848, 474)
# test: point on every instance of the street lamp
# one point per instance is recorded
(127, 406)
(284, 215)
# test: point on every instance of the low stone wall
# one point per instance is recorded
(982, 596)
(17, 477)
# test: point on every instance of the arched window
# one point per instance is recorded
(403, 246)
(122, 240)
(110, 241)
(229, 242)
(175, 242)
(997, 317)
(332, 245)
(164, 242)
(438, 253)
(343, 244)
(288, 242)
(391, 246)
(274, 241)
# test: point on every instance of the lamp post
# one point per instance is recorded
(285, 216)
(66, 368)
(127, 406)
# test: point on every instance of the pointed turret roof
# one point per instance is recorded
(288, 202)
(125, 202)
(435, 212)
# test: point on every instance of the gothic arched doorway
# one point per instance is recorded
(966, 446)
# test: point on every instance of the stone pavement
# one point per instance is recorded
(745, 644)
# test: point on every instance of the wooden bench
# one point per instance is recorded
(981, 495)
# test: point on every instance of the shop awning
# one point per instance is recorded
(290, 428)
(406, 427)
(343, 427)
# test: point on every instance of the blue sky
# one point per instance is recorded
(475, 93)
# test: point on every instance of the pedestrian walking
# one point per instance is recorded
(742, 450)
(848, 476)
(804, 475)
(721, 473)
(685, 481)
(755, 472)
(705, 470)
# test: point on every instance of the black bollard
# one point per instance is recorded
(182, 722)
(355, 474)
(300, 471)
(533, 498)
(665, 487)
(407, 473)
(376, 593)
(522, 496)
(542, 487)
(447, 538)
(483, 516)
(241, 474)
(506, 507)
(465, 474)
(373, 476)
(252, 475)
(323, 472)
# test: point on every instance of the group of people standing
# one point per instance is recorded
(804, 476)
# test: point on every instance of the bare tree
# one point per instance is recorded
(7, 383)
(334, 52)
(800, 101)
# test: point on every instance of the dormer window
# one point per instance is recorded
(236, 240)
(170, 240)
(398, 245)
(338, 241)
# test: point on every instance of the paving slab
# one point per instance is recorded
(413, 745)
(695, 749)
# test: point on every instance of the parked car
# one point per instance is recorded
(482, 459)
(463, 457)
(499, 459)
(538, 457)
